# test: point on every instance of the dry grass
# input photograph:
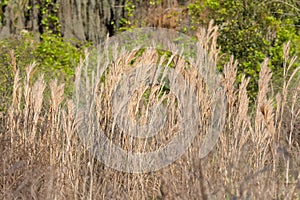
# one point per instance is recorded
(257, 156)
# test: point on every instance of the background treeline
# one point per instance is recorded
(55, 32)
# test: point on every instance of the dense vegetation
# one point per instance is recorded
(252, 30)
(42, 45)
(249, 30)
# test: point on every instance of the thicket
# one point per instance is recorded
(250, 30)
(54, 56)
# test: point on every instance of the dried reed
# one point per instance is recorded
(257, 156)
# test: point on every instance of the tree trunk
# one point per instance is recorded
(85, 20)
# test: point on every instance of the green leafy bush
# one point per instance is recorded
(250, 30)
(18, 51)
(58, 59)
(54, 57)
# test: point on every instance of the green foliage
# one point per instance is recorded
(126, 21)
(50, 21)
(194, 11)
(47, 11)
(155, 2)
(55, 58)
(23, 47)
(250, 30)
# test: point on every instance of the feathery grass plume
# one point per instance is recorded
(57, 97)
(242, 121)
(37, 100)
(287, 114)
(208, 38)
(27, 102)
(230, 72)
(287, 80)
(15, 104)
(263, 134)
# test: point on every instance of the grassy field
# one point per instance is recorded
(256, 157)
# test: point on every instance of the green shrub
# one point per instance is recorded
(54, 57)
(250, 30)
(23, 48)
(58, 59)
